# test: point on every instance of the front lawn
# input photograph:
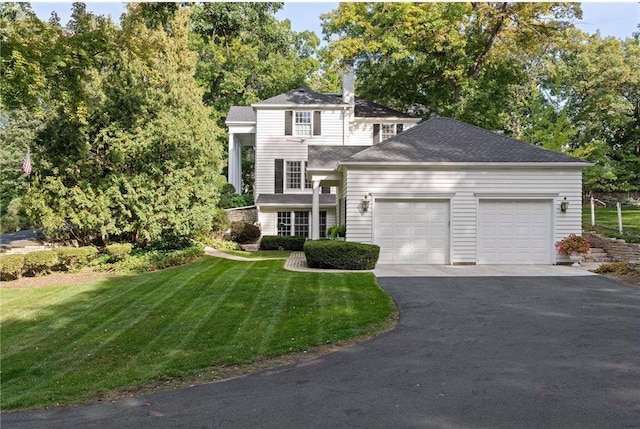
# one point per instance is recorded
(607, 217)
(64, 344)
(272, 254)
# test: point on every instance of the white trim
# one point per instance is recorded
(526, 195)
(390, 164)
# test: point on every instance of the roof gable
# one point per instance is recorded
(301, 96)
(444, 140)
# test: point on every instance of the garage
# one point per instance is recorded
(514, 232)
(412, 232)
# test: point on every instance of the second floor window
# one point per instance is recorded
(388, 131)
(303, 124)
(296, 175)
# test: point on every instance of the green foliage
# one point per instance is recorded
(219, 243)
(443, 59)
(337, 231)
(282, 242)
(11, 266)
(244, 233)
(118, 251)
(14, 217)
(621, 268)
(229, 198)
(128, 151)
(342, 255)
(72, 258)
(40, 262)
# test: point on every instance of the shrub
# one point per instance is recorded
(277, 242)
(219, 243)
(173, 242)
(11, 266)
(70, 258)
(573, 244)
(342, 255)
(244, 233)
(118, 251)
(613, 267)
(40, 262)
(337, 231)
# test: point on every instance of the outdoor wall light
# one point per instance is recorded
(365, 204)
(564, 205)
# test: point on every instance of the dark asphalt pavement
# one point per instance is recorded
(475, 352)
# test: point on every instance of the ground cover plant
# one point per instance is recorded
(67, 344)
(607, 222)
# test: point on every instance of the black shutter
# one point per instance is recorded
(288, 122)
(399, 128)
(326, 189)
(279, 184)
(376, 133)
(317, 125)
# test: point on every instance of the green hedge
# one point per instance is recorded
(70, 258)
(118, 251)
(11, 266)
(342, 255)
(244, 233)
(41, 262)
(277, 242)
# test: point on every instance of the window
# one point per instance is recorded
(301, 224)
(303, 124)
(294, 171)
(388, 131)
(284, 223)
(296, 175)
(323, 224)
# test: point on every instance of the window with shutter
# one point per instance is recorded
(399, 128)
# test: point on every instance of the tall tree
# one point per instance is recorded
(449, 59)
(132, 153)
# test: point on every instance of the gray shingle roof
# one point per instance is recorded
(301, 96)
(368, 109)
(294, 199)
(448, 140)
(327, 157)
(241, 114)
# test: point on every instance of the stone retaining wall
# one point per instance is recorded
(618, 250)
(243, 214)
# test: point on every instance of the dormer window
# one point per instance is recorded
(382, 132)
(302, 123)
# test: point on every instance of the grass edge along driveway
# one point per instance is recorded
(62, 345)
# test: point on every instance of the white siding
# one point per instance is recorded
(464, 187)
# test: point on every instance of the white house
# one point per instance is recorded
(441, 192)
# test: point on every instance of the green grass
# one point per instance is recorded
(607, 217)
(68, 344)
(274, 254)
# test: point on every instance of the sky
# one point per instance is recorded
(612, 19)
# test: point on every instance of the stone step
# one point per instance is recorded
(597, 254)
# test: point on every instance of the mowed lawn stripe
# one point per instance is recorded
(179, 322)
(93, 337)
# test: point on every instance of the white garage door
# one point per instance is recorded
(514, 232)
(412, 232)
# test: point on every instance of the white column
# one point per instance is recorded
(235, 164)
(315, 211)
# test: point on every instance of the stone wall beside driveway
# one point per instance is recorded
(618, 250)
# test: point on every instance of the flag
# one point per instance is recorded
(26, 164)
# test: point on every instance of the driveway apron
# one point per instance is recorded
(468, 352)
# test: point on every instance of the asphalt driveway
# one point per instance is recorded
(469, 352)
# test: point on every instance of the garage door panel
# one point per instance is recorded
(420, 231)
(514, 232)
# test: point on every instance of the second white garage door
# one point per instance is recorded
(412, 232)
(514, 232)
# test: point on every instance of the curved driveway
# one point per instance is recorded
(469, 352)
